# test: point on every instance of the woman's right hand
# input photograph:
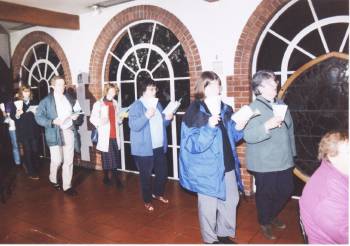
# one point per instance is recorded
(273, 123)
(150, 113)
(214, 120)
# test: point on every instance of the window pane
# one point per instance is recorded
(113, 69)
(132, 63)
(164, 38)
(329, 8)
(127, 93)
(161, 72)
(334, 35)
(123, 45)
(179, 61)
(127, 74)
(182, 90)
(41, 51)
(142, 56)
(154, 59)
(169, 157)
(126, 129)
(141, 33)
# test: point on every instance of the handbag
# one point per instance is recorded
(94, 136)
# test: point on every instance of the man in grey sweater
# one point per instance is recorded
(270, 150)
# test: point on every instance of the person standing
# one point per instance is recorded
(149, 142)
(209, 163)
(27, 130)
(105, 117)
(324, 203)
(55, 113)
(269, 154)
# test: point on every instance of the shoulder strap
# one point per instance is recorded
(264, 103)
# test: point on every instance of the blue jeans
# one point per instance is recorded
(15, 150)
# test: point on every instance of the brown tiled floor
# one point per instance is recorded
(36, 213)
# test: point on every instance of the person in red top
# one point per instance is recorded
(104, 116)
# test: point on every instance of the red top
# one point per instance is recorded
(111, 114)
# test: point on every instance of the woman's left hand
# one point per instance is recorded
(169, 116)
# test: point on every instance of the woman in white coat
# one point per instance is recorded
(104, 117)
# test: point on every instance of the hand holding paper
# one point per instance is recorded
(244, 114)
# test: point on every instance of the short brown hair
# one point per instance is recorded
(204, 80)
(23, 87)
(329, 144)
(55, 78)
(109, 86)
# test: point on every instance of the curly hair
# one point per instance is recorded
(328, 145)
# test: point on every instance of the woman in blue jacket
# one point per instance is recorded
(149, 142)
(209, 163)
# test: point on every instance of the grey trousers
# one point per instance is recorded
(218, 217)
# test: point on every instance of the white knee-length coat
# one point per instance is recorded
(103, 126)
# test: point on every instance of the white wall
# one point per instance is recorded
(215, 28)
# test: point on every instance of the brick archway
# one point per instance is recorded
(130, 15)
(238, 85)
(32, 38)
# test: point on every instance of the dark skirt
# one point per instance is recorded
(111, 160)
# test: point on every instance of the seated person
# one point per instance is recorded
(324, 203)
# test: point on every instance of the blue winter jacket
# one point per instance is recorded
(202, 168)
(140, 132)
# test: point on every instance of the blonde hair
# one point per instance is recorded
(23, 88)
(110, 86)
(328, 145)
(204, 80)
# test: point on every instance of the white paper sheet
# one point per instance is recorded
(2, 107)
(171, 107)
(244, 113)
(19, 104)
(280, 110)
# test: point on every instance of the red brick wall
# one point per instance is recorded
(32, 38)
(238, 85)
(125, 18)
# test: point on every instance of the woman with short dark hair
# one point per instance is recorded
(149, 142)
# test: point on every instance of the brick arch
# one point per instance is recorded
(238, 85)
(29, 40)
(130, 15)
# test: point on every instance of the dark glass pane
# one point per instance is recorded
(346, 48)
(42, 68)
(178, 127)
(295, 19)
(163, 92)
(127, 74)
(154, 59)
(168, 133)
(48, 71)
(271, 53)
(113, 69)
(129, 160)
(164, 38)
(334, 35)
(123, 46)
(40, 51)
(60, 70)
(182, 90)
(318, 101)
(169, 156)
(132, 63)
(53, 58)
(141, 33)
(36, 73)
(43, 90)
(127, 93)
(329, 8)
(30, 60)
(161, 72)
(24, 75)
(142, 56)
(312, 43)
(179, 61)
(126, 129)
(297, 59)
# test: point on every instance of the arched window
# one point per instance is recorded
(306, 43)
(39, 64)
(148, 49)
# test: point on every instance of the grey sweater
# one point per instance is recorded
(268, 151)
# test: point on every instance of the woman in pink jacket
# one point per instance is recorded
(324, 203)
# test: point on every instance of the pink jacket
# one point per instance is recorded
(324, 206)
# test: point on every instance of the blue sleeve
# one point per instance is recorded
(41, 115)
(137, 119)
(197, 140)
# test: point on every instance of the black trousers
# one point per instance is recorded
(145, 165)
(31, 156)
(273, 189)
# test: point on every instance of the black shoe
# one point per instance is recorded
(56, 186)
(278, 224)
(107, 181)
(267, 231)
(71, 192)
(226, 240)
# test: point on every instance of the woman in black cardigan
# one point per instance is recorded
(27, 130)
